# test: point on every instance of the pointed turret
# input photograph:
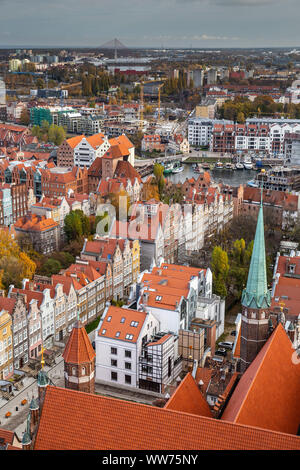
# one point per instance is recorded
(79, 359)
(256, 294)
(256, 300)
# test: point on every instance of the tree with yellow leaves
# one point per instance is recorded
(15, 265)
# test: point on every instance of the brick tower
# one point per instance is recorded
(79, 358)
(256, 300)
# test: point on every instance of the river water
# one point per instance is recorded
(230, 177)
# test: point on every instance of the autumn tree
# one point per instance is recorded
(121, 202)
(25, 117)
(15, 265)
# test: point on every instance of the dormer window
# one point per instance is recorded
(292, 268)
(158, 297)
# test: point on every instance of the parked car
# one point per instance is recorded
(233, 333)
(221, 352)
(226, 344)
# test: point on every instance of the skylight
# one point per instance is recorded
(108, 318)
(134, 323)
(103, 332)
(129, 336)
(158, 297)
(117, 334)
(122, 320)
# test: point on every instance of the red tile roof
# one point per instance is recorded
(126, 170)
(188, 398)
(287, 292)
(78, 349)
(95, 422)
(267, 395)
(75, 140)
(7, 304)
(116, 324)
(33, 222)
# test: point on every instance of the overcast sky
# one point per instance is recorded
(200, 23)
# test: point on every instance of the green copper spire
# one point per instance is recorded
(42, 378)
(256, 294)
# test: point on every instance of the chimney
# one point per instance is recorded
(145, 298)
(291, 332)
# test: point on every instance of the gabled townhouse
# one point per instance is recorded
(109, 250)
(89, 285)
(65, 152)
(90, 148)
(124, 257)
(6, 343)
(67, 320)
(16, 307)
(34, 327)
(46, 307)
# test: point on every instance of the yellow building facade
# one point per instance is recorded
(6, 346)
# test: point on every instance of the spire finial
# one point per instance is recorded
(42, 361)
(261, 189)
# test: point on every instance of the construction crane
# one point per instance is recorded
(142, 100)
(160, 86)
(141, 106)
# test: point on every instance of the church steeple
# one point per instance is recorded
(256, 300)
(256, 294)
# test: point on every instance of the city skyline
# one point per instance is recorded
(168, 23)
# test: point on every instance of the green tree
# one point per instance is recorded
(220, 269)
(51, 266)
(76, 225)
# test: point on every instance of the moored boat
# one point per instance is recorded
(177, 168)
(248, 165)
(239, 166)
(218, 165)
(253, 184)
(168, 168)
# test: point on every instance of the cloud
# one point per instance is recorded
(227, 3)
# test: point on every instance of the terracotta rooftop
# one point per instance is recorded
(95, 422)
(7, 304)
(188, 398)
(78, 349)
(75, 140)
(118, 324)
(267, 393)
(287, 292)
(33, 222)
